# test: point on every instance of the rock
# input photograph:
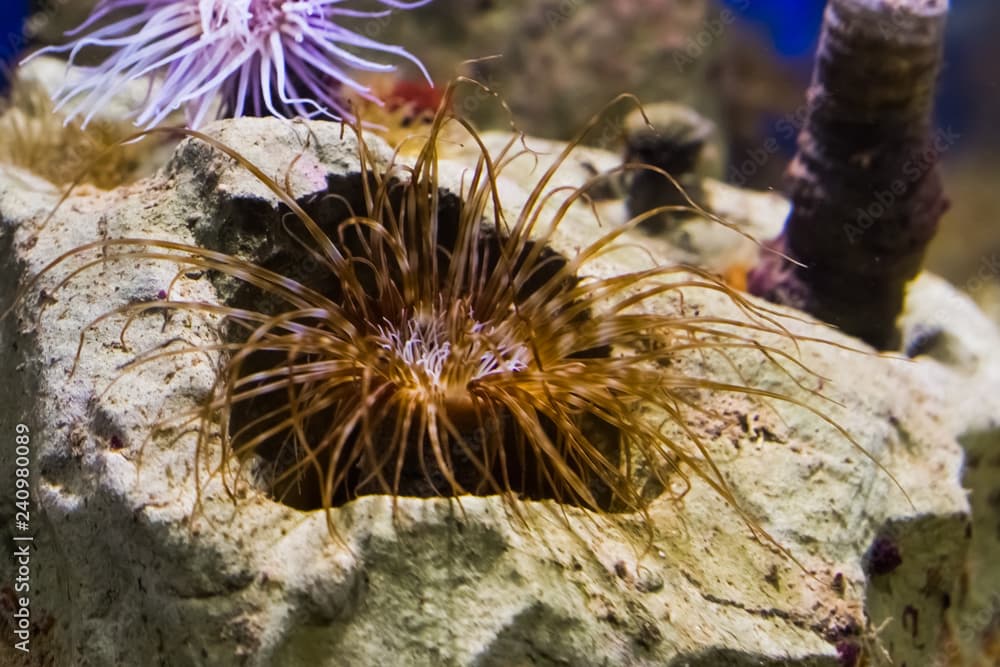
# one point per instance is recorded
(960, 363)
(133, 563)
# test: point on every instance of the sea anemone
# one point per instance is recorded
(442, 349)
(278, 57)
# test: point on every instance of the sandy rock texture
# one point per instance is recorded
(134, 563)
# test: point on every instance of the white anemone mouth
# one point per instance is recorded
(434, 355)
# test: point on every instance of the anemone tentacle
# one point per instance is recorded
(277, 57)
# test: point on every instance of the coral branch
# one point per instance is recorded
(865, 189)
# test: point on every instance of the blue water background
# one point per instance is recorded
(12, 15)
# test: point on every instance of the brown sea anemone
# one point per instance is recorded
(444, 349)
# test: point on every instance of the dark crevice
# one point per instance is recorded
(274, 240)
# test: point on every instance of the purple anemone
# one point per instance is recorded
(279, 57)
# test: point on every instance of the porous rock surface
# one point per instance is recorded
(127, 570)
